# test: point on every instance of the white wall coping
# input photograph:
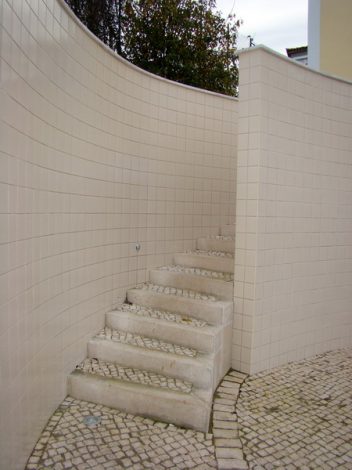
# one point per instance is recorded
(135, 67)
(292, 62)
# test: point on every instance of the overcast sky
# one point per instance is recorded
(275, 23)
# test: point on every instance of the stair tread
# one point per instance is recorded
(144, 342)
(221, 276)
(162, 315)
(215, 254)
(113, 371)
(168, 290)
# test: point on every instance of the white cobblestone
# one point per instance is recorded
(221, 254)
(300, 415)
(232, 464)
(228, 443)
(178, 292)
(297, 417)
(162, 315)
(119, 441)
(144, 342)
(108, 369)
(228, 277)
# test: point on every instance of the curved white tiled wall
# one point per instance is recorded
(293, 273)
(95, 155)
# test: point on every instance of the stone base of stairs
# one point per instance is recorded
(163, 353)
(179, 406)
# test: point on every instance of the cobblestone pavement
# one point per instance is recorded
(228, 446)
(228, 277)
(72, 440)
(108, 369)
(299, 416)
(144, 342)
(296, 417)
(174, 291)
(162, 315)
(221, 254)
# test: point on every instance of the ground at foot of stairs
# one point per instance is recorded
(82, 435)
(295, 417)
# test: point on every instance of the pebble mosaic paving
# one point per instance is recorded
(144, 342)
(299, 416)
(296, 417)
(161, 315)
(220, 254)
(174, 291)
(117, 441)
(115, 371)
(228, 277)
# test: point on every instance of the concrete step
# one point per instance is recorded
(142, 393)
(217, 243)
(152, 354)
(163, 353)
(183, 277)
(182, 301)
(210, 260)
(229, 229)
(167, 326)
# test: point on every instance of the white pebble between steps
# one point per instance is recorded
(198, 272)
(222, 254)
(144, 342)
(173, 291)
(162, 315)
(107, 369)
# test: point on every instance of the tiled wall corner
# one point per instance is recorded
(303, 259)
(250, 125)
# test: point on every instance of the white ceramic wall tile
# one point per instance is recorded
(293, 288)
(95, 156)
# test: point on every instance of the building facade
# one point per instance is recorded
(330, 37)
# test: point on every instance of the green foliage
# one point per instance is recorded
(184, 40)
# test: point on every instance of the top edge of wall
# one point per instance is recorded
(291, 61)
(68, 10)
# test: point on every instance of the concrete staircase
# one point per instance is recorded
(164, 351)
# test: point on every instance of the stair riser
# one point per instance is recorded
(222, 289)
(201, 373)
(215, 313)
(182, 410)
(200, 339)
(212, 263)
(225, 353)
(213, 244)
(228, 230)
